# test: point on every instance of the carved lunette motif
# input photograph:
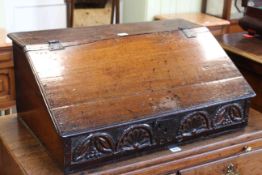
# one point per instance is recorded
(227, 115)
(151, 134)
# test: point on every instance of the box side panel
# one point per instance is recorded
(31, 106)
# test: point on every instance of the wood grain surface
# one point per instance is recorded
(198, 18)
(246, 53)
(129, 78)
(22, 153)
(7, 81)
(250, 48)
(111, 91)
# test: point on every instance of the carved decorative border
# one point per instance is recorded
(135, 137)
(227, 115)
(193, 124)
(93, 147)
(174, 128)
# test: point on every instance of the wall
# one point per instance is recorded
(134, 10)
(145, 10)
(2, 12)
(27, 15)
(215, 8)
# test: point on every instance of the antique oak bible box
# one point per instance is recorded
(99, 94)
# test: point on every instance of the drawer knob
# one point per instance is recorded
(247, 149)
(231, 170)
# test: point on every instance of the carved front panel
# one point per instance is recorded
(153, 133)
(227, 115)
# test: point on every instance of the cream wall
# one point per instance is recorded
(39, 14)
(145, 10)
(2, 12)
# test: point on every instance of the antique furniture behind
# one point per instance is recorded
(7, 86)
(115, 12)
(229, 10)
(216, 25)
(252, 21)
(247, 55)
(98, 94)
(231, 154)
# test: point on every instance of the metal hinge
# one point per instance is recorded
(189, 33)
(55, 45)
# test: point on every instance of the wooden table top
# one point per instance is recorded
(3, 42)
(250, 48)
(198, 18)
(28, 156)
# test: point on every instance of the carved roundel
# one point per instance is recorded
(93, 146)
(193, 124)
(135, 137)
(227, 115)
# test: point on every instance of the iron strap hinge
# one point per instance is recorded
(189, 33)
(55, 45)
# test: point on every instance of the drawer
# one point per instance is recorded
(249, 163)
(7, 89)
(5, 55)
(184, 163)
(6, 60)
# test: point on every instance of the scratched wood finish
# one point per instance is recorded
(105, 96)
(22, 153)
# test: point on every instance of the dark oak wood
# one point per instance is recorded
(22, 153)
(100, 96)
(7, 81)
(204, 6)
(247, 55)
(70, 6)
(227, 9)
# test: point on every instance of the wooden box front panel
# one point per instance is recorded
(91, 148)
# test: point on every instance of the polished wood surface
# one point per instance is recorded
(106, 86)
(247, 55)
(251, 48)
(117, 71)
(22, 153)
(85, 35)
(198, 18)
(216, 25)
(7, 87)
(3, 35)
(247, 163)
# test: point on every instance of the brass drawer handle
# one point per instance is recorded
(248, 149)
(231, 170)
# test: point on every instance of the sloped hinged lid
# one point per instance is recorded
(100, 77)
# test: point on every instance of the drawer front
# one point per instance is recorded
(7, 83)
(5, 56)
(182, 161)
(243, 164)
(7, 88)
